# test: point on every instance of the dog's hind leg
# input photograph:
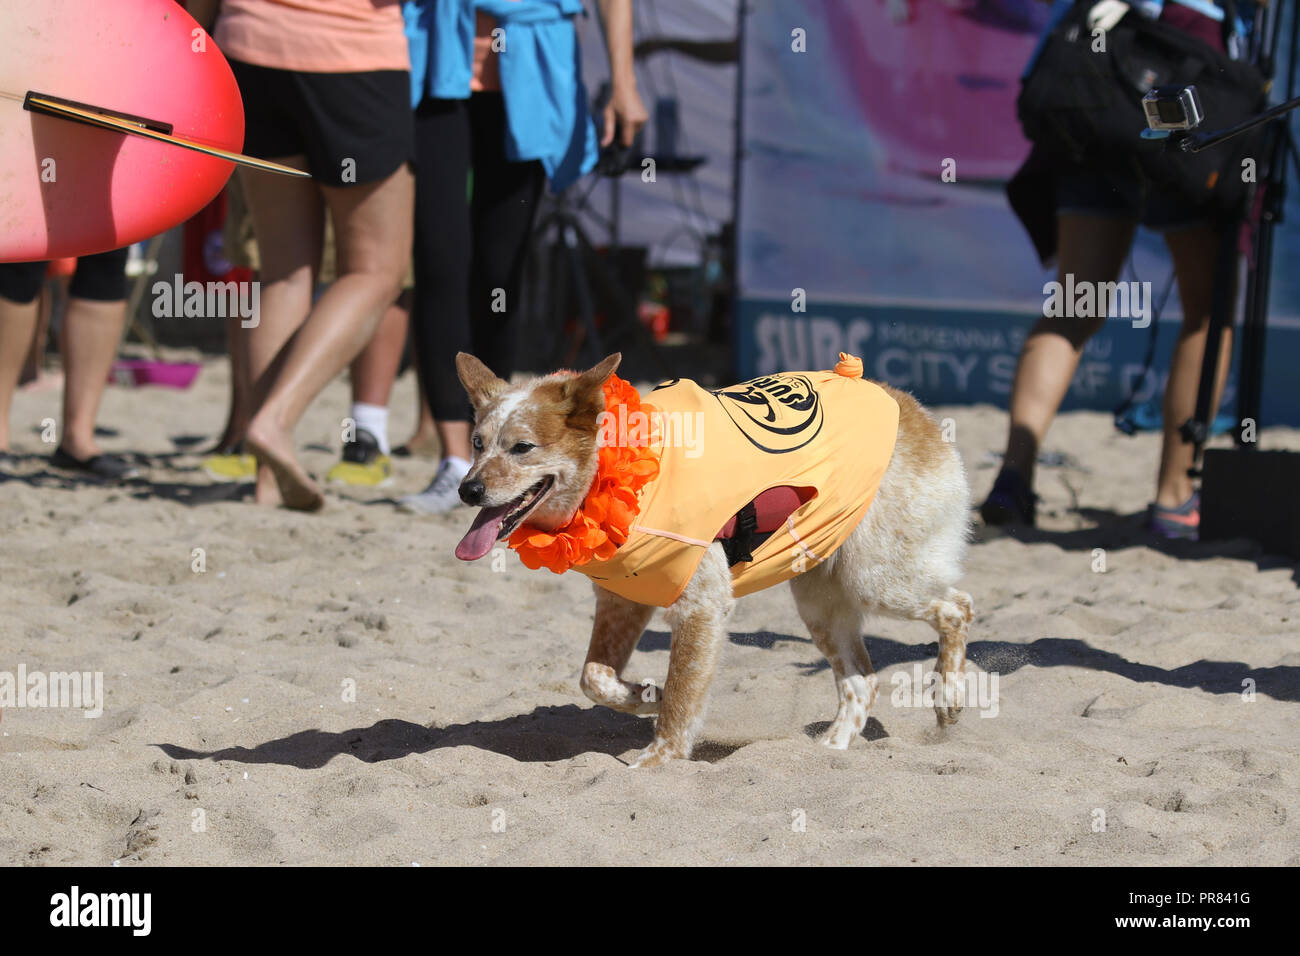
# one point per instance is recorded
(698, 618)
(951, 617)
(618, 626)
(834, 619)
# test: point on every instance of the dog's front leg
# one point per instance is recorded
(618, 626)
(698, 619)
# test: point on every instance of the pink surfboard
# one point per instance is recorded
(69, 187)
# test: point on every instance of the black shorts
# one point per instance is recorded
(1099, 193)
(354, 128)
(99, 278)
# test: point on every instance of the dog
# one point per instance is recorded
(536, 446)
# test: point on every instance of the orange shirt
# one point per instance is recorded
(832, 432)
(314, 36)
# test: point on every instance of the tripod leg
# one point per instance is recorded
(1254, 326)
(1255, 321)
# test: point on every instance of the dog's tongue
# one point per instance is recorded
(482, 533)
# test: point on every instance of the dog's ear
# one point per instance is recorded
(479, 381)
(586, 389)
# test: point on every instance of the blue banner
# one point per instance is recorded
(878, 136)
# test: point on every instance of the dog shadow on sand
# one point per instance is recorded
(541, 735)
(553, 733)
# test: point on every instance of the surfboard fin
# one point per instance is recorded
(149, 129)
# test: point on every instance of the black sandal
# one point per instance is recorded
(104, 467)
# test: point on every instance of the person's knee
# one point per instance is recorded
(1087, 328)
(386, 274)
(1075, 330)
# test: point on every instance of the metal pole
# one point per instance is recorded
(737, 157)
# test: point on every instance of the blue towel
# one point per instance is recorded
(547, 117)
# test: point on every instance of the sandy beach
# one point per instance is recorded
(338, 689)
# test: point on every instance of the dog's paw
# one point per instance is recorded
(603, 686)
(837, 737)
(648, 696)
(948, 703)
(656, 754)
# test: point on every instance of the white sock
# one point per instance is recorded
(459, 466)
(374, 419)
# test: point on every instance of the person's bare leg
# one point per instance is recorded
(1092, 248)
(17, 328)
(1194, 251)
(373, 226)
(374, 370)
(289, 223)
(241, 390)
(88, 341)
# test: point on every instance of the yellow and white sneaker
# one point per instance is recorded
(363, 464)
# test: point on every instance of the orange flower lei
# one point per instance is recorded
(602, 522)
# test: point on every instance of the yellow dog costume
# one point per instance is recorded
(818, 441)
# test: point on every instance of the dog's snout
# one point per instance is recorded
(472, 491)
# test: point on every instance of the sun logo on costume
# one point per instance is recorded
(777, 413)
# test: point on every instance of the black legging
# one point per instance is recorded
(466, 246)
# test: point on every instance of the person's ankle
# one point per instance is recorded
(1175, 496)
(79, 445)
(1024, 474)
(263, 426)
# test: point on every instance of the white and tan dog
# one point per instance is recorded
(535, 457)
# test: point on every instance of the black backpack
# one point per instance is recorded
(1085, 107)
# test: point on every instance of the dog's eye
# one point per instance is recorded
(477, 443)
(521, 448)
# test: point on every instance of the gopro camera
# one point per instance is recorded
(1173, 108)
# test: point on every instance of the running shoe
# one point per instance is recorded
(1011, 501)
(363, 464)
(1177, 524)
(443, 493)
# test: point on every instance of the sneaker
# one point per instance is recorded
(443, 493)
(230, 465)
(1011, 501)
(363, 463)
(1177, 524)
